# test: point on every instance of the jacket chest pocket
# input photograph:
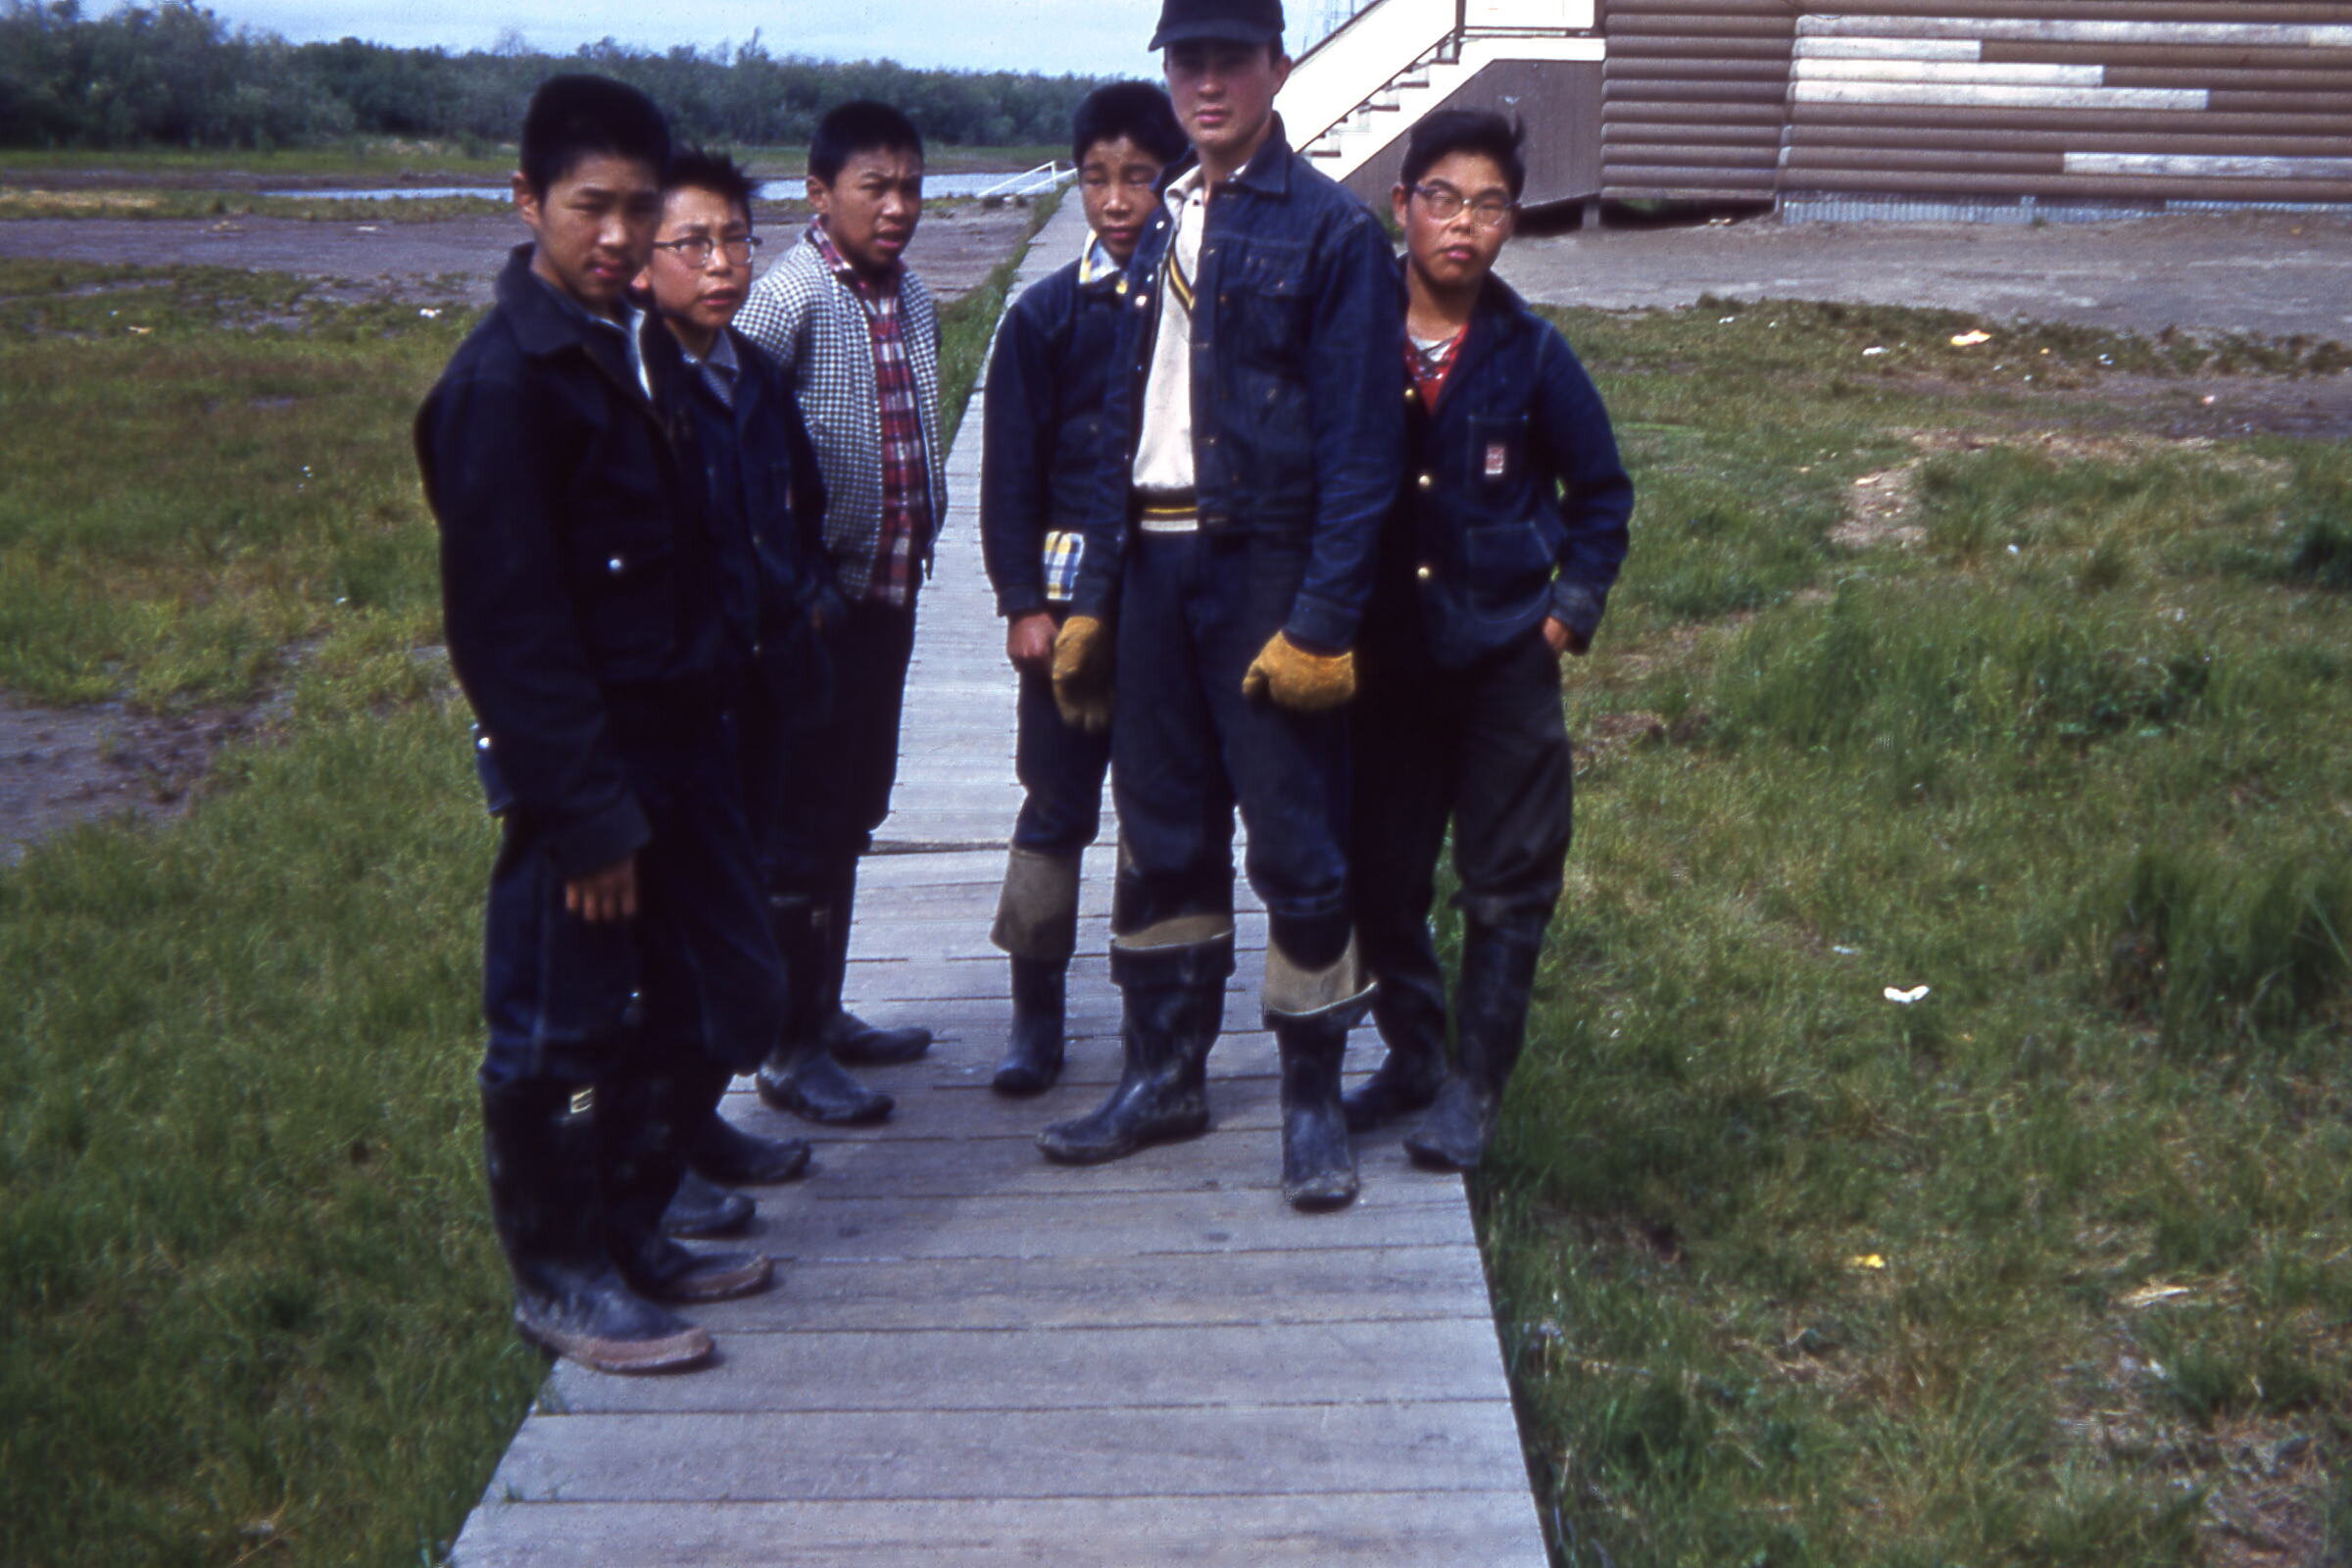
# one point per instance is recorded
(1495, 454)
(1262, 305)
(626, 565)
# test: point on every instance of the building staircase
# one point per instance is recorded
(1369, 81)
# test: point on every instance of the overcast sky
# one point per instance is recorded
(1093, 37)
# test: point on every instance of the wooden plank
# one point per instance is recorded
(945, 1370)
(1334, 1530)
(1317, 1285)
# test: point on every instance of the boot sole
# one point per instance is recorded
(672, 1353)
(779, 1097)
(1103, 1154)
(1431, 1158)
(1023, 1082)
(722, 1219)
(714, 1285)
(790, 1164)
(1316, 1197)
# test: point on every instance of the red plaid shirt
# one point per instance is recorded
(905, 481)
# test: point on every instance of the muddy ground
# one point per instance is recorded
(2273, 274)
(959, 244)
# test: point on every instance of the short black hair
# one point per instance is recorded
(1136, 110)
(700, 169)
(861, 125)
(1466, 130)
(576, 117)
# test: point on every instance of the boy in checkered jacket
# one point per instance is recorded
(858, 338)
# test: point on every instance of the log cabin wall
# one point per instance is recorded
(2098, 103)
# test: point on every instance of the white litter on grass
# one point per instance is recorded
(428, 311)
(1968, 340)
(1905, 997)
(1848, 951)
(2013, 549)
(1724, 320)
(1873, 349)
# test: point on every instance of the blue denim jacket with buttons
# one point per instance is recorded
(1515, 507)
(1298, 343)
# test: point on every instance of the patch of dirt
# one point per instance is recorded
(2184, 408)
(955, 248)
(1878, 510)
(62, 766)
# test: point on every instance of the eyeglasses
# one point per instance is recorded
(1444, 201)
(695, 250)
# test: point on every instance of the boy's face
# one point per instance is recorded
(1224, 92)
(1456, 251)
(1115, 180)
(871, 207)
(698, 296)
(594, 225)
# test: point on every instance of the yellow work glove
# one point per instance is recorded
(1082, 674)
(1300, 681)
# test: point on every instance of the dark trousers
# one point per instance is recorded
(696, 972)
(1485, 747)
(1061, 769)
(821, 786)
(1195, 608)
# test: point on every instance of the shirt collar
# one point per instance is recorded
(1096, 270)
(841, 268)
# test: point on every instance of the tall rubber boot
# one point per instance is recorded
(1037, 923)
(1498, 974)
(800, 1075)
(1032, 1052)
(849, 1037)
(1311, 1012)
(1412, 1025)
(570, 1296)
(641, 1120)
(700, 1207)
(722, 1151)
(1318, 1162)
(1174, 1003)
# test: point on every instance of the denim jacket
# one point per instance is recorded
(1046, 434)
(760, 472)
(1298, 343)
(1515, 507)
(579, 572)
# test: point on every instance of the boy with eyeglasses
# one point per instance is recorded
(1497, 559)
(743, 432)
(1046, 440)
(626, 945)
(857, 337)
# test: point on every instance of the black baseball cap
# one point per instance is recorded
(1252, 22)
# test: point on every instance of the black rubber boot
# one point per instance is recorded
(1499, 973)
(1033, 1054)
(800, 1075)
(1412, 1025)
(641, 1119)
(722, 1151)
(1318, 1163)
(849, 1037)
(1174, 1003)
(569, 1297)
(702, 1208)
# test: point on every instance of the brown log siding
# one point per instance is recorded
(2132, 100)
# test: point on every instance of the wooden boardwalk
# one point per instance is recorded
(975, 1358)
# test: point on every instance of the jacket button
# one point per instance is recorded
(1424, 574)
(1425, 482)
(1409, 394)
(757, 649)
(614, 564)
(482, 744)
(1142, 299)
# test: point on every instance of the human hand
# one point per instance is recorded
(1295, 679)
(1082, 680)
(1029, 643)
(606, 894)
(1561, 638)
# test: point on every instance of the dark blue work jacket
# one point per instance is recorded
(765, 491)
(1298, 344)
(579, 567)
(1046, 434)
(1515, 504)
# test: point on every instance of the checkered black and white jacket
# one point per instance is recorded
(813, 325)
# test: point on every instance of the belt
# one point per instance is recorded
(1175, 512)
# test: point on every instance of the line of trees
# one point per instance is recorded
(176, 75)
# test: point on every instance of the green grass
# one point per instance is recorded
(2052, 1267)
